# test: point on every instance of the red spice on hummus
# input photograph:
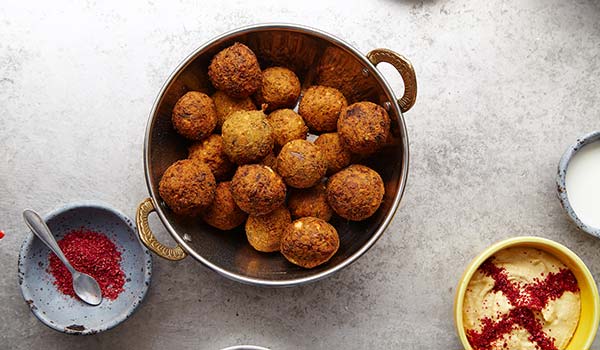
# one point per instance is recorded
(521, 298)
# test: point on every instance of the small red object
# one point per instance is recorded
(94, 254)
(1, 234)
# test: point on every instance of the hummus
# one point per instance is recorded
(521, 298)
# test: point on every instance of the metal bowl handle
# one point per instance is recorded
(406, 70)
(148, 238)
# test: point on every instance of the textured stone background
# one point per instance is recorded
(504, 88)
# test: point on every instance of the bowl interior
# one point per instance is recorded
(590, 303)
(317, 59)
(68, 314)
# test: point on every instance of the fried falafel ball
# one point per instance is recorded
(210, 152)
(223, 213)
(321, 107)
(270, 160)
(226, 105)
(194, 115)
(287, 125)
(309, 242)
(247, 137)
(264, 231)
(188, 187)
(336, 155)
(257, 189)
(301, 164)
(356, 192)
(364, 127)
(235, 70)
(310, 202)
(280, 88)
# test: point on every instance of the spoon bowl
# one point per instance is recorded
(86, 288)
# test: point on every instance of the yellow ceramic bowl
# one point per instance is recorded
(590, 302)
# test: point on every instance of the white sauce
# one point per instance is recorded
(583, 184)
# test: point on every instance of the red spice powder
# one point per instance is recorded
(552, 287)
(526, 300)
(492, 331)
(94, 254)
(501, 281)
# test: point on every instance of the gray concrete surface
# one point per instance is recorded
(504, 88)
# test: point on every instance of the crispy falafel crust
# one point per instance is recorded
(236, 71)
(226, 105)
(321, 107)
(363, 127)
(194, 115)
(280, 88)
(356, 192)
(247, 137)
(310, 202)
(264, 231)
(309, 242)
(336, 155)
(188, 187)
(223, 213)
(257, 189)
(210, 152)
(287, 125)
(301, 164)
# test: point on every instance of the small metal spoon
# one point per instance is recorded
(85, 286)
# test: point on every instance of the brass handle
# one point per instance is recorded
(148, 238)
(405, 69)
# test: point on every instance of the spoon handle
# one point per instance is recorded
(41, 230)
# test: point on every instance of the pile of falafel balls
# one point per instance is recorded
(256, 167)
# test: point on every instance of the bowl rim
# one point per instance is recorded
(506, 243)
(561, 176)
(26, 245)
(393, 104)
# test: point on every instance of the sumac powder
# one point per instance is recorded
(94, 254)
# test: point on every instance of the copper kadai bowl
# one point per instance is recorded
(317, 58)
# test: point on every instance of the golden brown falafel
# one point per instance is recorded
(321, 106)
(194, 115)
(310, 202)
(280, 88)
(210, 151)
(247, 137)
(364, 127)
(223, 213)
(270, 160)
(301, 164)
(356, 192)
(257, 189)
(287, 125)
(309, 242)
(226, 105)
(235, 70)
(264, 231)
(336, 155)
(188, 187)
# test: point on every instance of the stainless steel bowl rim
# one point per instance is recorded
(396, 200)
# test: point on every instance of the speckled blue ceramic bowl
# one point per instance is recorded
(561, 177)
(69, 314)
